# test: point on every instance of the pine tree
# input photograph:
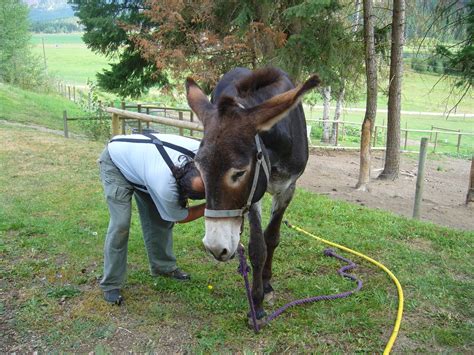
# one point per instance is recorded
(107, 26)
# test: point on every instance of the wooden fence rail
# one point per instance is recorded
(436, 131)
(118, 117)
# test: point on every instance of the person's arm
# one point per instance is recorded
(194, 212)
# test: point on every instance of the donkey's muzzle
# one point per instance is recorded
(221, 254)
(222, 237)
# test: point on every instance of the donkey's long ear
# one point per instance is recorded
(273, 110)
(198, 101)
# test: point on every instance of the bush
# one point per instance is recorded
(419, 65)
(436, 65)
(97, 127)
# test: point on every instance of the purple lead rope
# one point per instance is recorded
(244, 269)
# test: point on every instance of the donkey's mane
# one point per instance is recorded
(259, 79)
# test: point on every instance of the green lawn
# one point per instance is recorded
(68, 58)
(52, 224)
(446, 143)
(423, 92)
(42, 109)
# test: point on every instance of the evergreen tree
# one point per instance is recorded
(207, 38)
(371, 101)
(392, 154)
(459, 58)
(107, 27)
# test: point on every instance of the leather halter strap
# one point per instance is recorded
(261, 162)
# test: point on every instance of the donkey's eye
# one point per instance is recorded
(238, 175)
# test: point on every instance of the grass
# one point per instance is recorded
(45, 110)
(423, 92)
(446, 143)
(52, 225)
(68, 58)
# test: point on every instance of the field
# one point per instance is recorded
(52, 225)
(68, 58)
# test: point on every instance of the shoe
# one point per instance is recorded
(113, 297)
(176, 274)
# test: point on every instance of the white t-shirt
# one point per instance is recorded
(142, 164)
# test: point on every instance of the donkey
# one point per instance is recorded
(254, 141)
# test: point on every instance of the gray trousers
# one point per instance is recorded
(157, 233)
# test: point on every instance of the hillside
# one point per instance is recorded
(29, 107)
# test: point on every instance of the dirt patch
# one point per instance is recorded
(335, 173)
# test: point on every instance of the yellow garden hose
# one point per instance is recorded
(396, 327)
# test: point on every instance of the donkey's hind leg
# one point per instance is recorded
(281, 200)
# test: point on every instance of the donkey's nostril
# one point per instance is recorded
(224, 253)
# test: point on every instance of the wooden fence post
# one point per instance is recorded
(470, 190)
(375, 137)
(139, 110)
(115, 124)
(122, 120)
(406, 134)
(435, 142)
(69, 92)
(66, 133)
(148, 122)
(459, 141)
(180, 117)
(419, 178)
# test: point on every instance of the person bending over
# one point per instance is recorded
(159, 171)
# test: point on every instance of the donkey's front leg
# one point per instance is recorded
(258, 255)
(280, 202)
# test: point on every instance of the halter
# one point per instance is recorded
(261, 162)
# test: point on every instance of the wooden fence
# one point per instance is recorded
(119, 116)
(184, 118)
(381, 129)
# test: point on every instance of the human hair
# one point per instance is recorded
(184, 176)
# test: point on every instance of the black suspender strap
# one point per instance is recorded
(159, 144)
(153, 139)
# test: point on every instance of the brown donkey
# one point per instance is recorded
(254, 141)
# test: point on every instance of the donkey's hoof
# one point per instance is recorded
(260, 319)
(269, 298)
(260, 323)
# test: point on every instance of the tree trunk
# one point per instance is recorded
(337, 112)
(392, 159)
(371, 104)
(470, 191)
(357, 16)
(326, 92)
